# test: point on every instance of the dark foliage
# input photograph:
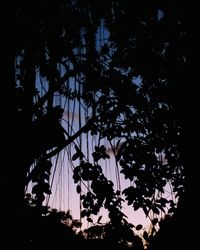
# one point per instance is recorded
(145, 42)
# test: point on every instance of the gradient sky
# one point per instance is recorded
(64, 195)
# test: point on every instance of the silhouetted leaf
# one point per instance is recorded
(130, 201)
(145, 235)
(75, 156)
(78, 189)
(118, 192)
(156, 210)
(155, 221)
(83, 213)
(162, 201)
(89, 220)
(136, 206)
(171, 210)
(99, 219)
(82, 197)
(139, 227)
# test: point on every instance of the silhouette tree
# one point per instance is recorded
(129, 84)
(55, 229)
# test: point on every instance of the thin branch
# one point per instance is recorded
(68, 141)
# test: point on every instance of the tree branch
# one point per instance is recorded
(69, 140)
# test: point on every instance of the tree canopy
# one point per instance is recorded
(123, 63)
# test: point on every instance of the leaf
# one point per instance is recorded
(82, 197)
(83, 213)
(106, 156)
(131, 225)
(99, 219)
(145, 235)
(46, 188)
(171, 210)
(48, 191)
(156, 210)
(81, 155)
(78, 189)
(139, 227)
(35, 189)
(136, 206)
(96, 156)
(89, 220)
(75, 156)
(162, 201)
(130, 201)
(102, 149)
(154, 221)
(118, 192)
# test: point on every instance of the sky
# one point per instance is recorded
(64, 195)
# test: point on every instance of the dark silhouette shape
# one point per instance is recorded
(146, 42)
